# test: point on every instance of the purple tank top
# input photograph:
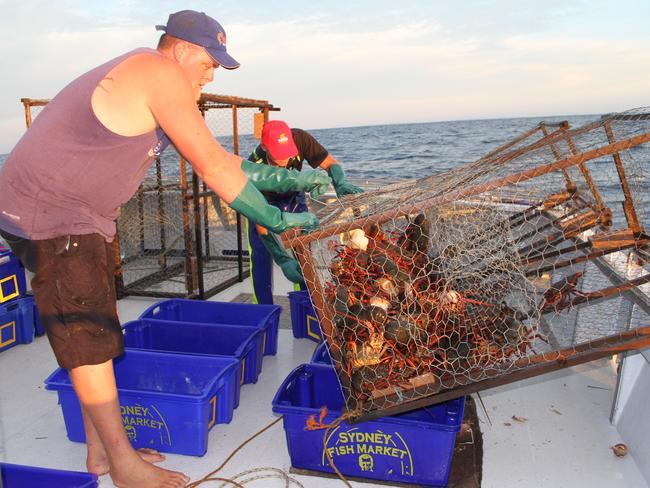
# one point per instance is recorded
(69, 174)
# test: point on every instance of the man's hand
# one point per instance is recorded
(315, 182)
(291, 270)
(290, 267)
(341, 184)
(305, 220)
(346, 188)
(282, 180)
(252, 205)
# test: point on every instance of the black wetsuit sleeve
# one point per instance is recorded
(258, 155)
(309, 148)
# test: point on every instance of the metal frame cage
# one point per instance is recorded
(531, 259)
(175, 237)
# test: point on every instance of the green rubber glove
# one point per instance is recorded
(281, 180)
(341, 185)
(252, 205)
(290, 266)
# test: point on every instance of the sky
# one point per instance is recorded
(340, 64)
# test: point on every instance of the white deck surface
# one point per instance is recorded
(564, 441)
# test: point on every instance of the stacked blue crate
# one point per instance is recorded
(18, 476)
(13, 283)
(242, 343)
(264, 317)
(321, 355)
(304, 321)
(168, 402)
(16, 309)
(182, 370)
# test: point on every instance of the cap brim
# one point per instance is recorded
(223, 58)
(286, 152)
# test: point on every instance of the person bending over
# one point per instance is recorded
(287, 148)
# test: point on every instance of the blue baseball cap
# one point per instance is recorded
(202, 30)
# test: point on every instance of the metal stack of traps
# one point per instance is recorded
(530, 259)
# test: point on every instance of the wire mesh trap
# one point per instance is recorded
(530, 259)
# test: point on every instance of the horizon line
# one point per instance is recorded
(381, 124)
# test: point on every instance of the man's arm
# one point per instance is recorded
(327, 162)
(335, 171)
(281, 180)
(171, 100)
(318, 157)
(289, 266)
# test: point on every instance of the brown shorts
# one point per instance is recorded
(74, 289)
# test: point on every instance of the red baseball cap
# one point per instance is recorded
(202, 30)
(278, 141)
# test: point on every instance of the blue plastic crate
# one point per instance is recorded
(12, 276)
(169, 402)
(18, 476)
(304, 320)
(414, 447)
(321, 355)
(39, 330)
(16, 322)
(266, 317)
(246, 344)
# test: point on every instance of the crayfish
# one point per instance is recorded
(400, 316)
(370, 352)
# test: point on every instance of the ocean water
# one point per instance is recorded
(408, 151)
(404, 151)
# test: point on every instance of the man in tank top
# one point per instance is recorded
(60, 191)
(289, 148)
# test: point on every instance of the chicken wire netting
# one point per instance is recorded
(177, 238)
(531, 258)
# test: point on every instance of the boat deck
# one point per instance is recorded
(561, 436)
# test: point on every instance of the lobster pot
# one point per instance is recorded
(531, 258)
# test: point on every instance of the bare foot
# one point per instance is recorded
(150, 455)
(141, 474)
(97, 461)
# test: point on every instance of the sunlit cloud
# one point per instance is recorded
(349, 65)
